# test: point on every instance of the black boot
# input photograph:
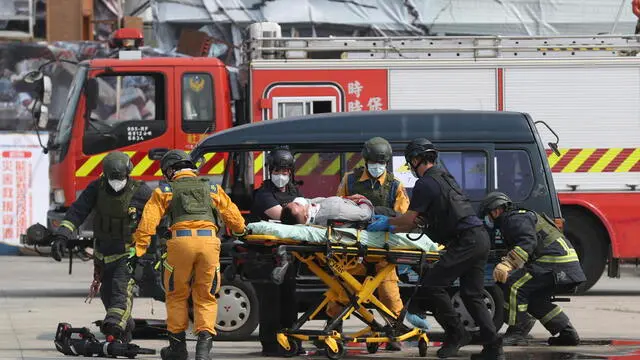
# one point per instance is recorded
(567, 337)
(518, 334)
(177, 349)
(455, 338)
(491, 351)
(203, 346)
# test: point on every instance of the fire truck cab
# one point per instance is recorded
(140, 106)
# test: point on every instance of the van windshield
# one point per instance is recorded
(65, 125)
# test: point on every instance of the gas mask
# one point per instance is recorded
(376, 170)
(117, 185)
(280, 180)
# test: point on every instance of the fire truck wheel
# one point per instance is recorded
(237, 311)
(588, 239)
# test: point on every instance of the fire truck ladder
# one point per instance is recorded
(9, 12)
(451, 47)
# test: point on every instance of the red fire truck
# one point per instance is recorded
(584, 88)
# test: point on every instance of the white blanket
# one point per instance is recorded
(346, 236)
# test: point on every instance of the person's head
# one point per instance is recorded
(280, 163)
(377, 153)
(295, 212)
(116, 168)
(420, 155)
(494, 205)
(174, 161)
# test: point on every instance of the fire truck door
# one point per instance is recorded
(128, 113)
(202, 110)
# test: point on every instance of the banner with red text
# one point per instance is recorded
(24, 185)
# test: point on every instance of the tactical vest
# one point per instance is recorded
(191, 200)
(379, 195)
(115, 219)
(447, 211)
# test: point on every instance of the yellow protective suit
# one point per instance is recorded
(192, 266)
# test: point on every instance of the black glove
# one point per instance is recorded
(58, 246)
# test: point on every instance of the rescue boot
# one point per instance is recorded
(455, 338)
(566, 337)
(518, 334)
(203, 346)
(177, 349)
(491, 351)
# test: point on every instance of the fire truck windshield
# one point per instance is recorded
(63, 133)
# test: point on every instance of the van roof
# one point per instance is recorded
(349, 130)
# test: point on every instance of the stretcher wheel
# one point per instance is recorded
(372, 348)
(342, 350)
(294, 347)
(422, 348)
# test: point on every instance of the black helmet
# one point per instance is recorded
(175, 160)
(377, 150)
(418, 148)
(280, 159)
(116, 166)
(493, 201)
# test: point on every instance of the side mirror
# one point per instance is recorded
(199, 162)
(552, 145)
(91, 94)
(40, 113)
(38, 84)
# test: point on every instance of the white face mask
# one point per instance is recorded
(376, 170)
(300, 200)
(280, 180)
(118, 185)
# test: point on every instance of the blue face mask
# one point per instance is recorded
(489, 222)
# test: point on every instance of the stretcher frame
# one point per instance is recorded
(334, 263)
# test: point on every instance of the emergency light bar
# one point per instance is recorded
(126, 39)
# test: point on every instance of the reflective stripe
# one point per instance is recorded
(571, 257)
(513, 308)
(523, 254)
(110, 258)
(115, 311)
(523, 307)
(129, 304)
(551, 314)
(68, 224)
(167, 266)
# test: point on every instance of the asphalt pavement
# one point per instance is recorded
(36, 293)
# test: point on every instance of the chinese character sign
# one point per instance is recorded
(24, 186)
(366, 90)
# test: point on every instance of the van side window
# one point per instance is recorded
(198, 110)
(129, 109)
(469, 168)
(320, 173)
(515, 175)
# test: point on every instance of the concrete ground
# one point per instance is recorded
(36, 294)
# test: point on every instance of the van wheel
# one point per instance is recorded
(237, 311)
(587, 238)
(493, 299)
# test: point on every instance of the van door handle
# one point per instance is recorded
(157, 153)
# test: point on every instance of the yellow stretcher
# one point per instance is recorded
(335, 264)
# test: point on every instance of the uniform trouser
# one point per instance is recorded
(116, 293)
(388, 292)
(526, 294)
(465, 258)
(277, 308)
(192, 268)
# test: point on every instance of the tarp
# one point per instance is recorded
(226, 19)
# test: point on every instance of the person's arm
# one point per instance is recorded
(228, 210)
(265, 203)
(405, 222)
(401, 204)
(80, 209)
(342, 188)
(140, 199)
(520, 232)
(424, 192)
(151, 215)
(274, 212)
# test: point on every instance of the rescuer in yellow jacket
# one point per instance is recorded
(192, 266)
